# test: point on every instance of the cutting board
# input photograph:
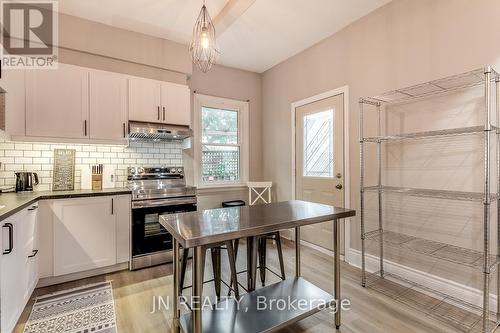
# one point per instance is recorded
(109, 177)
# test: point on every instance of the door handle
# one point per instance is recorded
(338, 186)
(33, 254)
(11, 237)
(124, 131)
(163, 113)
(112, 206)
(158, 112)
(85, 127)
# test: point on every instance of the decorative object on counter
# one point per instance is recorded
(203, 46)
(64, 170)
(97, 177)
(25, 181)
(92, 304)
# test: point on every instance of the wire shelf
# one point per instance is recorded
(430, 193)
(442, 251)
(455, 312)
(436, 87)
(431, 134)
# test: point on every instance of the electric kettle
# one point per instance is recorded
(25, 181)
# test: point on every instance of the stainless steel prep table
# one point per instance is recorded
(198, 229)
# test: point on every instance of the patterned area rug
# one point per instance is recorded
(87, 309)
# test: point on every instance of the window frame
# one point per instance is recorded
(241, 107)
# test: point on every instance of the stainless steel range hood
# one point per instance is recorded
(155, 131)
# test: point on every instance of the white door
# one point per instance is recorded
(108, 105)
(57, 102)
(12, 273)
(176, 99)
(31, 250)
(319, 162)
(144, 100)
(84, 234)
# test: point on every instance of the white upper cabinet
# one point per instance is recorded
(57, 102)
(108, 106)
(144, 100)
(13, 82)
(176, 101)
(159, 102)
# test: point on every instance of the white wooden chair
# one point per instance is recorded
(260, 193)
(257, 191)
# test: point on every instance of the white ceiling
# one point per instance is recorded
(267, 33)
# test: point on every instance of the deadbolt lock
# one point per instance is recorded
(338, 175)
(338, 186)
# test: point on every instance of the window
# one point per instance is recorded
(318, 144)
(221, 127)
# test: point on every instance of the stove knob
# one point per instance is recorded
(179, 170)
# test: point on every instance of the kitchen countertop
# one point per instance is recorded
(15, 202)
(211, 226)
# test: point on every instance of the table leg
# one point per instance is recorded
(336, 246)
(177, 292)
(251, 262)
(197, 290)
(297, 252)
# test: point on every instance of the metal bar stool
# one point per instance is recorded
(215, 251)
(257, 246)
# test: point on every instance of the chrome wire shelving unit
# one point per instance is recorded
(465, 316)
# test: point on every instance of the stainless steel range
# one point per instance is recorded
(156, 191)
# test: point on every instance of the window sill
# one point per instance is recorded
(204, 189)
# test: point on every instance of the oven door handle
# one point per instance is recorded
(159, 203)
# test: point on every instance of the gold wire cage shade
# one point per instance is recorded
(203, 48)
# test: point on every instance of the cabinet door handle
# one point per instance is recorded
(33, 254)
(164, 114)
(85, 127)
(112, 206)
(124, 131)
(11, 237)
(33, 208)
(158, 112)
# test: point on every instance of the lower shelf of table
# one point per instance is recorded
(263, 310)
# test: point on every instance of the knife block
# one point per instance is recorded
(96, 182)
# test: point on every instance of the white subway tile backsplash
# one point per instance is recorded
(23, 160)
(38, 157)
(32, 153)
(40, 147)
(13, 153)
(23, 146)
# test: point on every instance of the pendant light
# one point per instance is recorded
(203, 49)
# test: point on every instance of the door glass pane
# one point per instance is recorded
(318, 144)
(219, 126)
(220, 163)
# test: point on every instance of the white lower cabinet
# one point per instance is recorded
(59, 237)
(19, 265)
(87, 233)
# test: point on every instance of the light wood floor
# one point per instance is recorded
(372, 312)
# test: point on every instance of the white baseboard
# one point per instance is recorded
(52, 280)
(320, 249)
(449, 287)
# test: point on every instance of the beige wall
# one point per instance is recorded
(90, 37)
(403, 43)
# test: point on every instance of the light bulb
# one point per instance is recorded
(204, 40)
